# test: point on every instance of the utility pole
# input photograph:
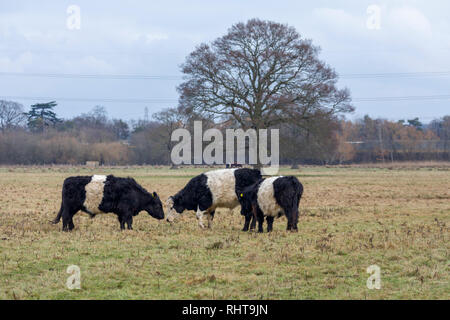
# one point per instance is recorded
(146, 115)
(380, 138)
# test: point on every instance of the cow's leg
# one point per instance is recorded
(290, 221)
(289, 224)
(124, 213)
(296, 212)
(121, 221)
(210, 217)
(67, 218)
(260, 223)
(295, 220)
(248, 218)
(253, 217)
(253, 222)
(130, 222)
(200, 215)
(269, 223)
(204, 207)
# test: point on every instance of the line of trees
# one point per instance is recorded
(325, 139)
(259, 75)
(368, 140)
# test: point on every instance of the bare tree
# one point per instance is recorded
(262, 74)
(170, 119)
(11, 115)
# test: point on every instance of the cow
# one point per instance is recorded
(271, 198)
(99, 194)
(208, 191)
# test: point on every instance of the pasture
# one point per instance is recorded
(350, 218)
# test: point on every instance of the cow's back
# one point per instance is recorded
(266, 198)
(226, 184)
(94, 193)
(222, 184)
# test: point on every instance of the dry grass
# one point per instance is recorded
(352, 217)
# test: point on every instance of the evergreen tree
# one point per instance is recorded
(41, 115)
(415, 123)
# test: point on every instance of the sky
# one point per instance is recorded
(393, 56)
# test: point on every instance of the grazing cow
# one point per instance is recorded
(103, 194)
(272, 198)
(208, 191)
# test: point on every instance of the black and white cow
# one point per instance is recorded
(208, 191)
(272, 198)
(103, 194)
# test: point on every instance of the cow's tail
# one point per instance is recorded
(58, 216)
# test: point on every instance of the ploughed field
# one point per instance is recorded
(397, 218)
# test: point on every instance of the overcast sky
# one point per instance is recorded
(153, 38)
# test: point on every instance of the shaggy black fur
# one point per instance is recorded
(248, 200)
(287, 192)
(122, 196)
(245, 177)
(197, 194)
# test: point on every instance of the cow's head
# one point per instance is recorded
(245, 200)
(154, 207)
(174, 208)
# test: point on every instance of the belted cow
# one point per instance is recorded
(208, 191)
(99, 194)
(272, 198)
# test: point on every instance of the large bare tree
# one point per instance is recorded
(261, 73)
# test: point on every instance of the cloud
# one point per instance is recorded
(410, 21)
(151, 37)
(89, 64)
(18, 64)
(338, 18)
(154, 38)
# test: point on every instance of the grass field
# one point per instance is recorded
(351, 217)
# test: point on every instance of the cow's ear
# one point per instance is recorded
(155, 195)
